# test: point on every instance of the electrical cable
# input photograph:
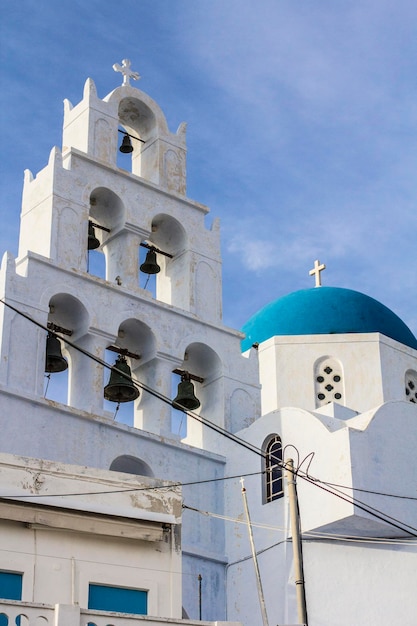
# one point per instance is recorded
(368, 510)
(376, 493)
(354, 501)
(172, 485)
(235, 520)
(142, 386)
(307, 534)
(232, 437)
(57, 556)
(358, 502)
(258, 552)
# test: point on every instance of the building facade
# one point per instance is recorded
(327, 394)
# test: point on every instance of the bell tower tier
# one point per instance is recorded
(84, 200)
(92, 127)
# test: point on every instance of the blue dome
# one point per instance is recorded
(325, 311)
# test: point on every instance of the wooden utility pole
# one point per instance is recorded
(296, 542)
(254, 557)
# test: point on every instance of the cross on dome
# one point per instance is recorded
(316, 272)
(128, 74)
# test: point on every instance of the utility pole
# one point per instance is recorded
(255, 560)
(296, 542)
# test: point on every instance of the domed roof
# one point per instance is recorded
(325, 311)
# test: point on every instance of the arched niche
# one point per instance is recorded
(139, 121)
(168, 234)
(67, 313)
(202, 361)
(173, 281)
(118, 244)
(207, 303)
(131, 465)
(136, 116)
(242, 411)
(107, 210)
(135, 337)
(69, 247)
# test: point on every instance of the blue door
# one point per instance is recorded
(10, 589)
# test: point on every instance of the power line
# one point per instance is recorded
(235, 520)
(376, 493)
(142, 386)
(232, 437)
(358, 502)
(172, 485)
(311, 534)
(366, 509)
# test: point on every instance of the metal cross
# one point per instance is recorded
(128, 74)
(316, 272)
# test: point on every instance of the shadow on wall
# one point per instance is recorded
(131, 465)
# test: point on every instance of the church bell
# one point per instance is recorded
(93, 242)
(150, 266)
(54, 361)
(120, 388)
(186, 397)
(126, 146)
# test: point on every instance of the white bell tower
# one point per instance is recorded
(179, 327)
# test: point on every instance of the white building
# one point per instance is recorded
(362, 431)
(64, 527)
(339, 396)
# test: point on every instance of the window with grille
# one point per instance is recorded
(411, 386)
(273, 479)
(328, 381)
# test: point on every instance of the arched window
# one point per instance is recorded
(131, 465)
(273, 480)
(411, 386)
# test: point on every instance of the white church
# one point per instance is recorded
(156, 486)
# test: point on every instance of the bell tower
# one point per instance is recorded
(83, 199)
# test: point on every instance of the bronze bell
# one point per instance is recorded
(126, 146)
(93, 242)
(120, 388)
(150, 266)
(185, 396)
(54, 361)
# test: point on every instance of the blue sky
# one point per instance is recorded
(302, 126)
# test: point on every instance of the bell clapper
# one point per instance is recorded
(48, 376)
(116, 410)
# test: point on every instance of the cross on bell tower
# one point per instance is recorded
(125, 70)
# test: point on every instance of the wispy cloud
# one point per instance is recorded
(301, 126)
